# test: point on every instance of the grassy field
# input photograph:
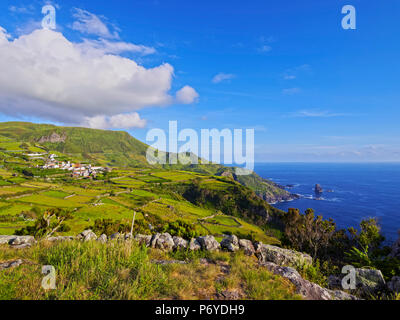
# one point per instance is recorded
(94, 271)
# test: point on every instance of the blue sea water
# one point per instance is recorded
(359, 191)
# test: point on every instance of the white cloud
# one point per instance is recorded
(186, 95)
(222, 77)
(265, 48)
(317, 114)
(289, 77)
(89, 23)
(291, 91)
(119, 121)
(104, 46)
(45, 75)
(22, 9)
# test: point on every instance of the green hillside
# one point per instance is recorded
(115, 149)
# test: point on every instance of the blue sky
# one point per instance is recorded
(312, 90)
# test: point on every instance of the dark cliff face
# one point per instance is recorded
(278, 198)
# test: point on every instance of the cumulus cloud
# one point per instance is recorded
(222, 77)
(45, 75)
(119, 121)
(187, 95)
(89, 23)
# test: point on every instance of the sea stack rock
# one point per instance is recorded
(318, 189)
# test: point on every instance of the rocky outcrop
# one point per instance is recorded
(396, 249)
(394, 285)
(102, 238)
(247, 247)
(280, 256)
(305, 288)
(17, 240)
(369, 281)
(162, 241)
(60, 239)
(230, 243)
(143, 239)
(87, 235)
(318, 190)
(179, 243)
(194, 245)
(53, 138)
(208, 243)
(10, 264)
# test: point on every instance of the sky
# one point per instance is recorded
(312, 91)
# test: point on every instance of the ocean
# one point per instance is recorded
(359, 191)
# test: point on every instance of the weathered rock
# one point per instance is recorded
(230, 243)
(194, 245)
(60, 238)
(162, 241)
(247, 246)
(208, 243)
(179, 243)
(87, 235)
(6, 239)
(229, 295)
(116, 236)
(282, 257)
(305, 288)
(20, 240)
(318, 189)
(369, 280)
(334, 282)
(396, 248)
(102, 238)
(128, 236)
(21, 246)
(394, 285)
(143, 239)
(10, 264)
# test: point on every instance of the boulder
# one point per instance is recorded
(143, 239)
(230, 243)
(369, 280)
(179, 243)
(87, 235)
(394, 285)
(247, 246)
(194, 245)
(128, 236)
(334, 282)
(282, 257)
(116, 236)
(162, 241)
(102, 238)
(6, 239)
(308, 290)
(396, 249)
(60, 238)
(208, 243)
(21, 240)
(10, 264)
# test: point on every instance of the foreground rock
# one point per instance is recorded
(247, 247)
(10, 264)
(102, 238)
(60, 239)
(369, 280)
(162, 241)
(394, 285)
(17, 240)
(179, 243)
(230, 243)
(194, 245)
(143, 239)
(282, 257)
(87, 235)
(305, 288)
(208, 243)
